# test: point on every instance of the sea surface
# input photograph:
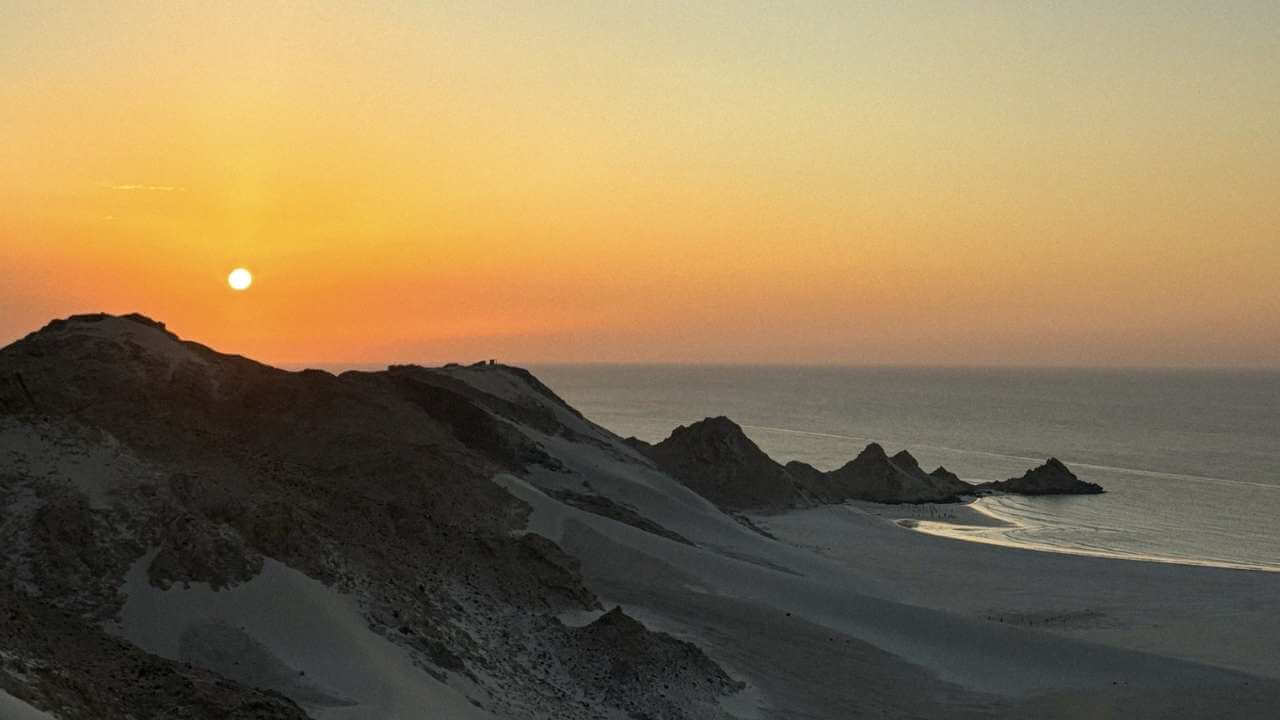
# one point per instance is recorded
(1190, 459)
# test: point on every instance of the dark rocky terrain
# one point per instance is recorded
(715, 459)
(875, 476)
(1051, 478)
(124, 444)
(719, 462)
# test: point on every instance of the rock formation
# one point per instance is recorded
(875, 476)
(719, 462)
(640, 671)
(1051, 478)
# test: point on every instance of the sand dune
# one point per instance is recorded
(349, 671)
(457, 543)
(954, 627)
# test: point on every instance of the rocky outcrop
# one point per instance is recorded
(639, 671)
(715, 459)
(1051, 478)
(123, 441)
(875, 476)
(718, 461)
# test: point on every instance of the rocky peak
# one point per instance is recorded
(874, 476)
(942, 473)
(712, 429)
(618, 621)
(716, 459)
(717, 440)
(105, 325)
(873, 451)
(906, 461)
(1053, 464)
(1051, 478)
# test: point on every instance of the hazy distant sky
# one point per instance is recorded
(1038, 183)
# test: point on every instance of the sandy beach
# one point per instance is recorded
(845, 612)
(1205, 614)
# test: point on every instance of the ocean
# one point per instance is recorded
(1190, 459)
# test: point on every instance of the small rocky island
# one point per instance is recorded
(1051, 478)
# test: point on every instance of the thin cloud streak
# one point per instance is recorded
(144, 188)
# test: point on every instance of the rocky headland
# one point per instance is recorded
(1051, 478)
(716, 459)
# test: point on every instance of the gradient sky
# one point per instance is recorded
(1082, 183)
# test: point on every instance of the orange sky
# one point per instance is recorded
(897, 183)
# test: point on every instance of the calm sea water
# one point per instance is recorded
(1190, 459)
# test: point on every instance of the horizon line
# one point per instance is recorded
(382, 365)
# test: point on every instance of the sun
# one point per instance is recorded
(240, 279)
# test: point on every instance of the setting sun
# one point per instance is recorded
(696, 360)
(240, 279)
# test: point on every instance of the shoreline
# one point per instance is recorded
(1191, 612)
(993, 528)
(962, 514)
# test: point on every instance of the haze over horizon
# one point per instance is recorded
(905, 184)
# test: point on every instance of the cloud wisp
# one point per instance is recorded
(130, 187)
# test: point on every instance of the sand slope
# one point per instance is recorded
(343, 670)
(924, 625)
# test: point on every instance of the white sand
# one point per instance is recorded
(984, 656)
(1203, 614)
(307, 626)
(1006, 626)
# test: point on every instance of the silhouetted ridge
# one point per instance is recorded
(716, 459)
(1051, 478)
(875, 476)
(719, 462)
(380, 484)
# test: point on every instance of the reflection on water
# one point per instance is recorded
(1039, 523)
